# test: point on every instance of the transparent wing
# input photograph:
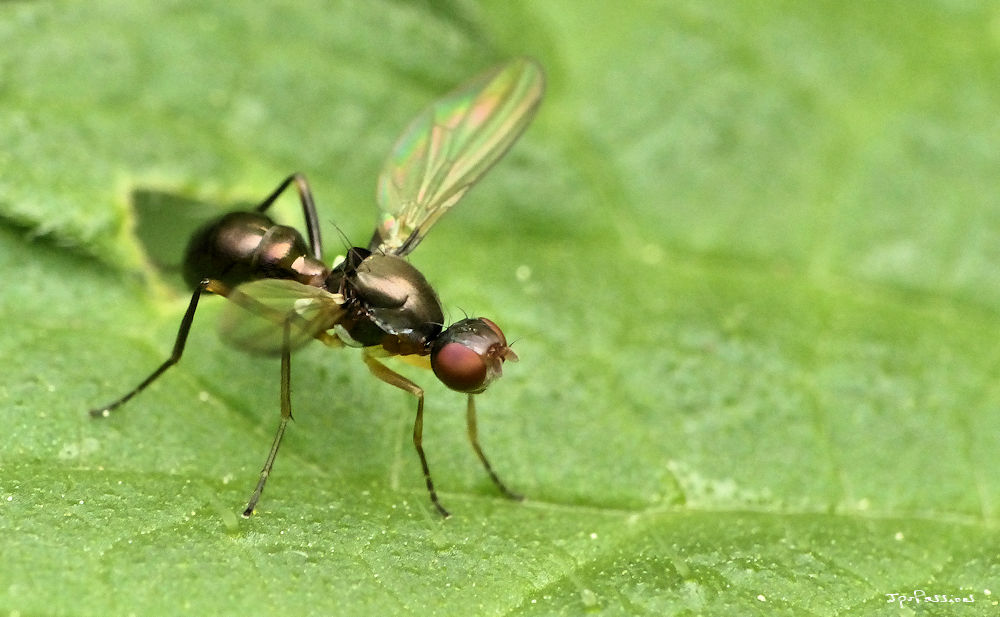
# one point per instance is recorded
(254, 319)
(448, 147)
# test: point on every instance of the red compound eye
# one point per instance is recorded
(460, 368)
(469, 355)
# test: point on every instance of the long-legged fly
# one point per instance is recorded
(283, 294)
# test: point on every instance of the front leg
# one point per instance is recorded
(393, 378)
(470, 419)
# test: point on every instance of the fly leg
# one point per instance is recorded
(308, 209)
(175, 355)
(470, 420)
(286, 415)
(395, 379)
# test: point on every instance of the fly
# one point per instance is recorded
(283, 295)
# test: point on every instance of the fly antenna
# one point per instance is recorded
(344, 241)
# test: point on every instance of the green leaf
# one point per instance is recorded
(747, 251)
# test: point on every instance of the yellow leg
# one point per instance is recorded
(393, 378)
(470, 420)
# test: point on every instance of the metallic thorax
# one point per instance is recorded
(388, 302)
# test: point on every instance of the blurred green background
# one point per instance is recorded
(747, 252)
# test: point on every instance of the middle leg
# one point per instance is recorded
(286, 415)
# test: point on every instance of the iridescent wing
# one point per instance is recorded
(448, 147)
(254, 320)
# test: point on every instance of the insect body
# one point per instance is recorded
(283, 294)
